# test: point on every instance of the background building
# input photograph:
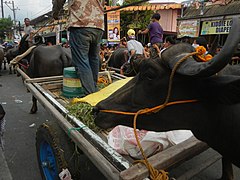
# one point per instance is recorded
(209, 19)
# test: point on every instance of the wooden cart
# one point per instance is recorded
(110, 163)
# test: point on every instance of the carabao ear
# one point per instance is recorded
(203, 69)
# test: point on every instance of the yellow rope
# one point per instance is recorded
(154, 173)
(103, 80)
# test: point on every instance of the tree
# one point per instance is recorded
(134, 19)
(6, 25)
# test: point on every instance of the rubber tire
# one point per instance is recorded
(62, 146)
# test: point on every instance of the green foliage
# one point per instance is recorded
(134, 19)
(5, 26)
(83, 112)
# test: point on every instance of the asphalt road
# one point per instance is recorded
(20, 151)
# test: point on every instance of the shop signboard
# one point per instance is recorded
(188, 28)
(113, 25)
(216, 27)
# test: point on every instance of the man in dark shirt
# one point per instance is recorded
(155, 30)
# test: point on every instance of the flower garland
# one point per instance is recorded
(201, 54)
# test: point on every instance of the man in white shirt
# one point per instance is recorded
(136, 55)
(28, 30)
(134, 46)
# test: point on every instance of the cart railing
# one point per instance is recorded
(105, 158)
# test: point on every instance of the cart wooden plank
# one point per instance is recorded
(195, 170)
(165, 159)
(110, 163)
(44, 79)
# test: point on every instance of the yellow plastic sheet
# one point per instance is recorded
(96, 97)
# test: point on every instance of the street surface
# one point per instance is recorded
(20, 150)
(21, 126)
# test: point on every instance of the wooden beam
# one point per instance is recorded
(23, 74)
(53, 78)
(201, 166)
(43, 79)
(53, 86)
(167, 158)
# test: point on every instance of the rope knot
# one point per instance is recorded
(154, 174)
(144, 111)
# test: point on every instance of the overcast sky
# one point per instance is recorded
(27, 8)
(35, 8)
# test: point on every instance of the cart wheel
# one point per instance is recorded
(54, 151)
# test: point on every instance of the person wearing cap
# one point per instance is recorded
(134, 47)
(155, 30)
(135, 51)
(64, 42)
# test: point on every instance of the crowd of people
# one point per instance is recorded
(86, 26)
(27, 29)
(135, 48)
(86, 35)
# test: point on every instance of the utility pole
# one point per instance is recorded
(13, 9)
(2, 8)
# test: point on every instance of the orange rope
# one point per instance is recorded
(103, 80)
(154, 173)
(148, 110)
